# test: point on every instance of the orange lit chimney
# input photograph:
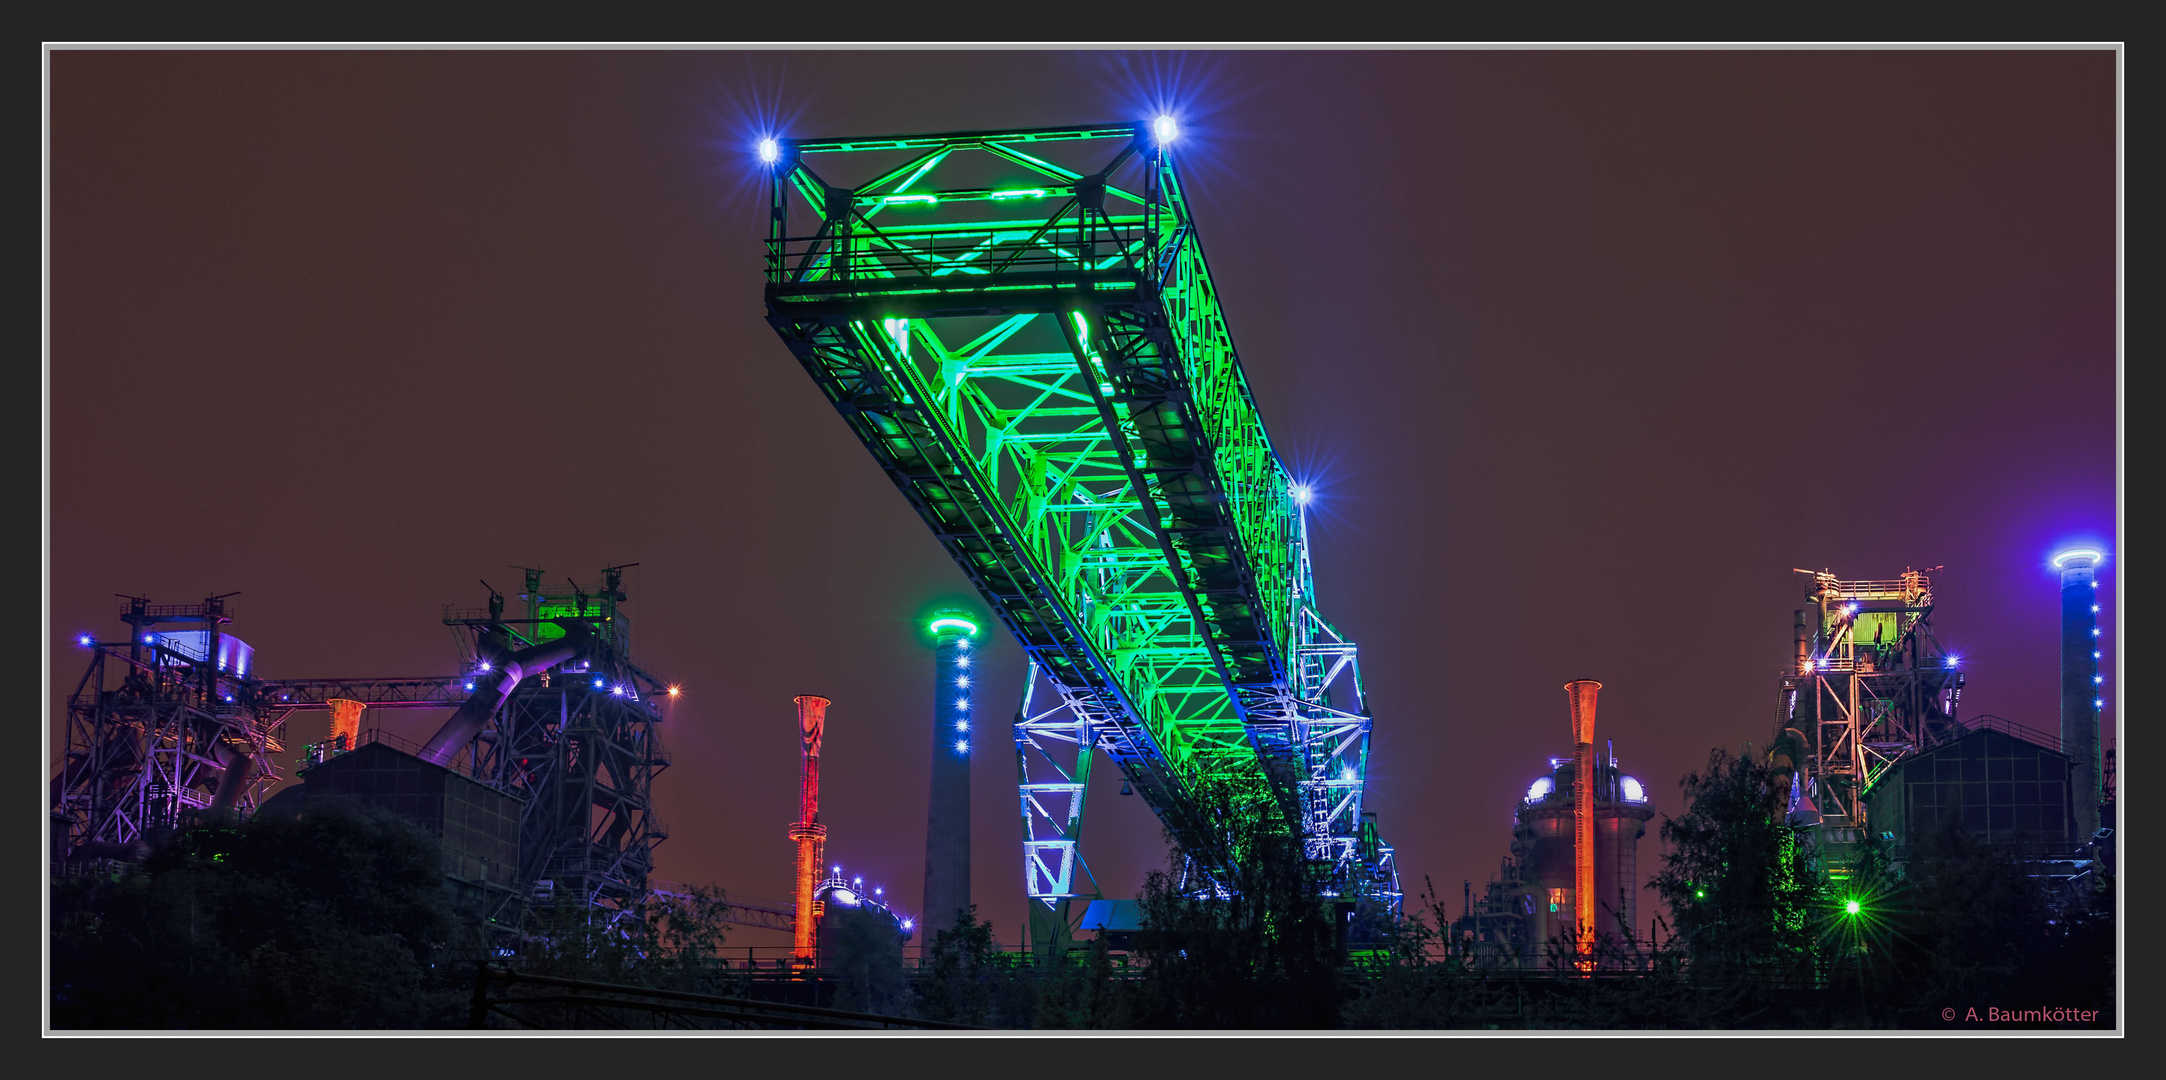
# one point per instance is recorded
(810, 835)
(1582, 694)
(345, 721)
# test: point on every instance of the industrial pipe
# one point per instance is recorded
(479, 709)
(1581, 693)
(1784, 756)
(809, 835)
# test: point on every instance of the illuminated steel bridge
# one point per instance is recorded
(1022, 329)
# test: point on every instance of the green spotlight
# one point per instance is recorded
(1852, 907)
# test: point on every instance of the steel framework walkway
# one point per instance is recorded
(1022, 329)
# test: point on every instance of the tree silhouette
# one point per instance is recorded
(333, 919)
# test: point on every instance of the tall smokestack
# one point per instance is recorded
(1582, 693)
(947, 818)
(2081, 691)
(808, 833)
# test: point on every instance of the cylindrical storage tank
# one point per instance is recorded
(1545, 828)
(1620, 822)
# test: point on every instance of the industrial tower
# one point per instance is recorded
(2083, 695)
(548, 708)
(570, 724)
(807, 833)
(947, 814)
(1582, 694)
(1869, 685)
(1020, 326)
(167, 723)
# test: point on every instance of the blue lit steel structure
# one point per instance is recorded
(162, 724)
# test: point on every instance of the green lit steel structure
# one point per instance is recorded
(1022, 329)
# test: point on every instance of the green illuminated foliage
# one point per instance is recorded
(1741, 888)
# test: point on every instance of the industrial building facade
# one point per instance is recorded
(2004, 785)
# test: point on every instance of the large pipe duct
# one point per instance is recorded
(479, 709)
(2080, 688)
(809, 835)
(1581, 693)
(240, 768)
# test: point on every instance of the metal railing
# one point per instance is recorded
(868, 257)
(1990, 722)
(320, 752)
(1900, 589)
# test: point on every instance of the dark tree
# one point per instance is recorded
(669, 942)
(959, 978)
(1262, 950)
(333, 919)
(1965, 923)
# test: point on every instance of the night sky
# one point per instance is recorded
(1584, 352)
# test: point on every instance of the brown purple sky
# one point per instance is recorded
(1584, 351)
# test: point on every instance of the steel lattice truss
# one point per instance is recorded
(580, 743)
(1875, 687)
(1037, 356)
(152, 730)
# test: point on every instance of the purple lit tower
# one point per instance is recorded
(2083, 693)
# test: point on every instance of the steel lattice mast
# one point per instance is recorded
(1035, 353)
